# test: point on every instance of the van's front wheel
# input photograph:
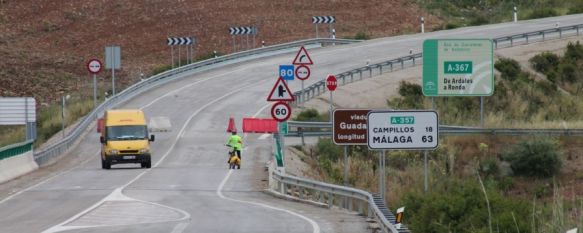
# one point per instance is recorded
(146, 164)
(105, 164)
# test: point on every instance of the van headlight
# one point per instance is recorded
(113, 152)
(144, 151)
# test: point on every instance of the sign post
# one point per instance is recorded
(349, 128)
(408, 130)
(331, 84)
(302, 73)
(94, 66)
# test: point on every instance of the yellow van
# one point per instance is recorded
(124, 138)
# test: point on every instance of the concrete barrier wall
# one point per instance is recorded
(16, 160)
(16, 166)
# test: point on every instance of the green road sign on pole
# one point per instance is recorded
(278, 152)
(458, 67)
(283, 129)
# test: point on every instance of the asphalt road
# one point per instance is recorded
(189, 188)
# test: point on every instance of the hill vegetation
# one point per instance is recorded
(533, 184)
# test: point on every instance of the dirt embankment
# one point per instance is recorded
(44, 45)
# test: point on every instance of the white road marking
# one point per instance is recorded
(264, 136)
(180, 227)
(116, 195)
(315, 226)
(83, 163)
(189, 85)
(44, 181)
(61, 227)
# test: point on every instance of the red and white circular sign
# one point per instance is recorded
(94, 66)
(302, 72)
(331, 82)
(281, 111)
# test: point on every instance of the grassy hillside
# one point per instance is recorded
(533, 184)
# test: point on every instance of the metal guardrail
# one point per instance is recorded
(537, 36)
(321, 129)
(408, 61)
(334, 195)
(46, 155)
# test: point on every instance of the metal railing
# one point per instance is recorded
(15, 149)
(348, 198)
(408, 61)
(358, 74)
(321, 129)
(53, 151)
(537, 36)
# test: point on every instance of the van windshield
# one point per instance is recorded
(126, 132)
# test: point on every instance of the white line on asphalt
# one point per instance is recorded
(264, 136)
(44, 181)
(180, 227)
(60, 227)
(189, 85)
(315, 226)
(83, 163)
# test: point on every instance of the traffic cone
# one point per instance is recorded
(231, 128)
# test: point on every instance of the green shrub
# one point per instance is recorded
(544, 62)
(460, 206)
(542, 13)
(569, 72)
(411, 97)
(361, 36)
(490, 167)
(452, 25)
(479, 20)
(509, 68)
(161, 69)
(577, 8)
(574, 51)
(534, 158)
(327, 149)
(310, 115)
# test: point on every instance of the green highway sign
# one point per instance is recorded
(458, 67)
(403, 120)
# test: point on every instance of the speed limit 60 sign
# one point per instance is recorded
(281, 111)
(402, 130)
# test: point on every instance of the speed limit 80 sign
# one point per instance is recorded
(281, 111)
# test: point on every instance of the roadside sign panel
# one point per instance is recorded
(458, 67)
(303, 72)
(281, 111)
(349, 126)
(113, 57)
(17, 110)
(302, 57)
(286, 72)
(280, 92)
(402, 130)
(94, 66)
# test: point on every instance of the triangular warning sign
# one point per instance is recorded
(280, 92)
(303, 58)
